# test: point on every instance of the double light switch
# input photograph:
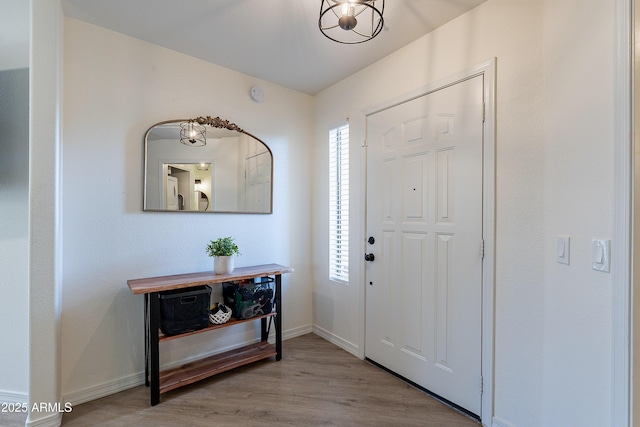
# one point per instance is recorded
(600, 253)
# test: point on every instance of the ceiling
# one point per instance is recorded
(272, 40)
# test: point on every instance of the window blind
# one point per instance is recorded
(339, 203)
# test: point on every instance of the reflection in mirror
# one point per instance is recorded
(203, 201)
(231, 172)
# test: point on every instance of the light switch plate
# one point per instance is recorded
(562, 249)
(601, 255)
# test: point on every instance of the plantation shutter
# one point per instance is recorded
(339, 203)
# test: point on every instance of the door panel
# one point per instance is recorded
(414, 245)
(424, 207)
(414, 188)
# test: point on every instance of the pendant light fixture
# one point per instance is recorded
(193, 134)
(351, 21)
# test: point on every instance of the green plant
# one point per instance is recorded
(224, 246)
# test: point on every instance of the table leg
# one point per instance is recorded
(278, 320)
(264, 336)
(146, 340)
(154, 345)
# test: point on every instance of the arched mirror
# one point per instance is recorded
(206, 165)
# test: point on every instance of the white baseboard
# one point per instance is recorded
(51, 420)
(296, 332)
(48, 420)
(497, 422)
(121, 384)
(7, 396)
(106, 389)
(340, 342)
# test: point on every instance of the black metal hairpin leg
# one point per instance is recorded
(154, 347)
(265, 325)
(264, 332)
(146, 340)
(278, 317)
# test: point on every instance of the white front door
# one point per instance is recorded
(424, 212)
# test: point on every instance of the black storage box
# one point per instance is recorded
(184, 310)
(249, 299)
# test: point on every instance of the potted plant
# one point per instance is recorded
(222, 251)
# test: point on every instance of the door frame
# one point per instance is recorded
(624, 309)
(486, 69)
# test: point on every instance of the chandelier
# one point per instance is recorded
(351, 21)
(193, 134)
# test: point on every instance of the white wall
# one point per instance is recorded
(14, 232)
(14, 32)
(578, 201)
(554, 177)
(115, 88)
(45, 254)
(14, 199)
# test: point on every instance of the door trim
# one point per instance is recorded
(488, 70)
(624, 308)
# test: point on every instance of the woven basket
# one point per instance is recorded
(219, 315)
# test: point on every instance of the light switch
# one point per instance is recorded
(562, 250)
(601, 255)
(598, 256)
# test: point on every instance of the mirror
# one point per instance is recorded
(206, 165)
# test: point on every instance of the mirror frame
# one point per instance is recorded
(214, 122)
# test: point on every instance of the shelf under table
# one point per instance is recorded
(204, 368)
(233, 321)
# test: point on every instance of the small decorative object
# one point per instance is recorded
(222, 251)
(220, 314)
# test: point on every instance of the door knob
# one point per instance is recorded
(371, 240)
(369, 257)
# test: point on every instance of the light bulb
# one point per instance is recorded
(348, 20)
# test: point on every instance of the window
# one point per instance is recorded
(339, 203)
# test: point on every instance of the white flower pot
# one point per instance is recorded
(223, 264)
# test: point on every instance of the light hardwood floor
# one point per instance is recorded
(315, 384)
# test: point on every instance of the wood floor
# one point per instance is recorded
(315, 384)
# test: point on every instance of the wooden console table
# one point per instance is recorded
(160, 382)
